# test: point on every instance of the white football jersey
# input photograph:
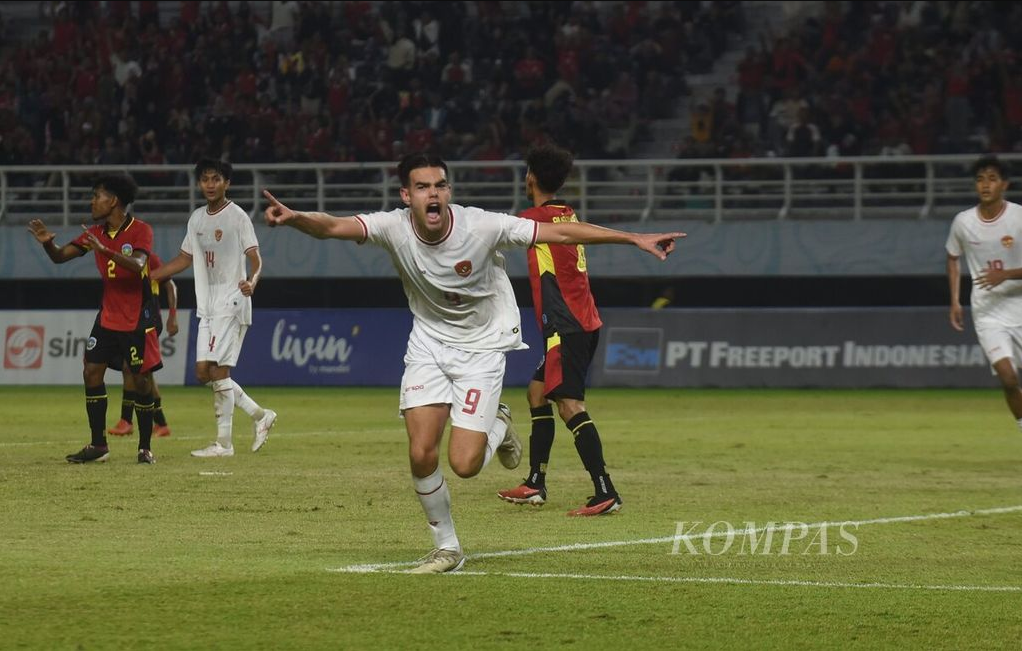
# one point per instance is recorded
(457, 288)
(218, 243)
(996, 244)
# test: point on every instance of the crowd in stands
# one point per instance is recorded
(116, 83)
(873, 78)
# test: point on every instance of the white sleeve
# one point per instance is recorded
(186, 244)
(954, 242)
(380, 226)
(513, 231)
(248, 236)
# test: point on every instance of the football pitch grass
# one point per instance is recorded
(301, 545)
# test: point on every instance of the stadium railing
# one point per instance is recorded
(854, 188)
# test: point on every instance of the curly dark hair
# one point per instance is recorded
(121, 186)
(550, 166)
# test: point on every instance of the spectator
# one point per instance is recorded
(803, 137)
(315, 58)
(784, 115)
(427, 34)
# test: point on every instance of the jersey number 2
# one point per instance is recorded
(111, 269)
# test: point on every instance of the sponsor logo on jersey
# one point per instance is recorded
(23, 347)
(463, 268)
(126, 249)
(218, 234)
(1008, 241)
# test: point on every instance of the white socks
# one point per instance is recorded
(227, 394)
(436, 503)
(246, 404)
(1020, 424)
(223, 404)
(493, 439)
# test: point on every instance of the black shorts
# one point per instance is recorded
(140, 349)
(564, 368)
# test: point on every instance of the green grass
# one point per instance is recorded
(118, 555)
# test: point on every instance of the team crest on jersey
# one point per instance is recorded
(126, 249)
(218, 234)
(463, 268)
(1008, 241)
(91, 343)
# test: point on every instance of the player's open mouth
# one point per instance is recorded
(433, 212)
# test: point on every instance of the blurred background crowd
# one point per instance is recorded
(120, 82)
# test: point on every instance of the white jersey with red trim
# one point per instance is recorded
(991, 244)
(218, 242)
(457, 287)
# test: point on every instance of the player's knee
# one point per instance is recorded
(535, 394)
(568, 409)
(202, 374)
(143, 383)
(423, 458)
(466, 467)
(93, 375)
(465, 461)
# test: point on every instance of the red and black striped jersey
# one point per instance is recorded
(127, 295)
(560, 284)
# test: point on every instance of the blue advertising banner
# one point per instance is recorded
(787, 347)
(344, 347)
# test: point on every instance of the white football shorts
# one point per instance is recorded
(1000, 342)
(219, 340)
(470, 382)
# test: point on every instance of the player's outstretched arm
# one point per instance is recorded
(658, 244)
(317, 224)
(180, 262)
(45, 237)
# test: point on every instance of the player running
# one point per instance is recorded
(465, 320)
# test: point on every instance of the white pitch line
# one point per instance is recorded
(377, 567)
(737, 581)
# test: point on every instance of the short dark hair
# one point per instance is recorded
(550, 166)
(221, 167)
(121, 186)
(414, 162)
(1002, 167)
